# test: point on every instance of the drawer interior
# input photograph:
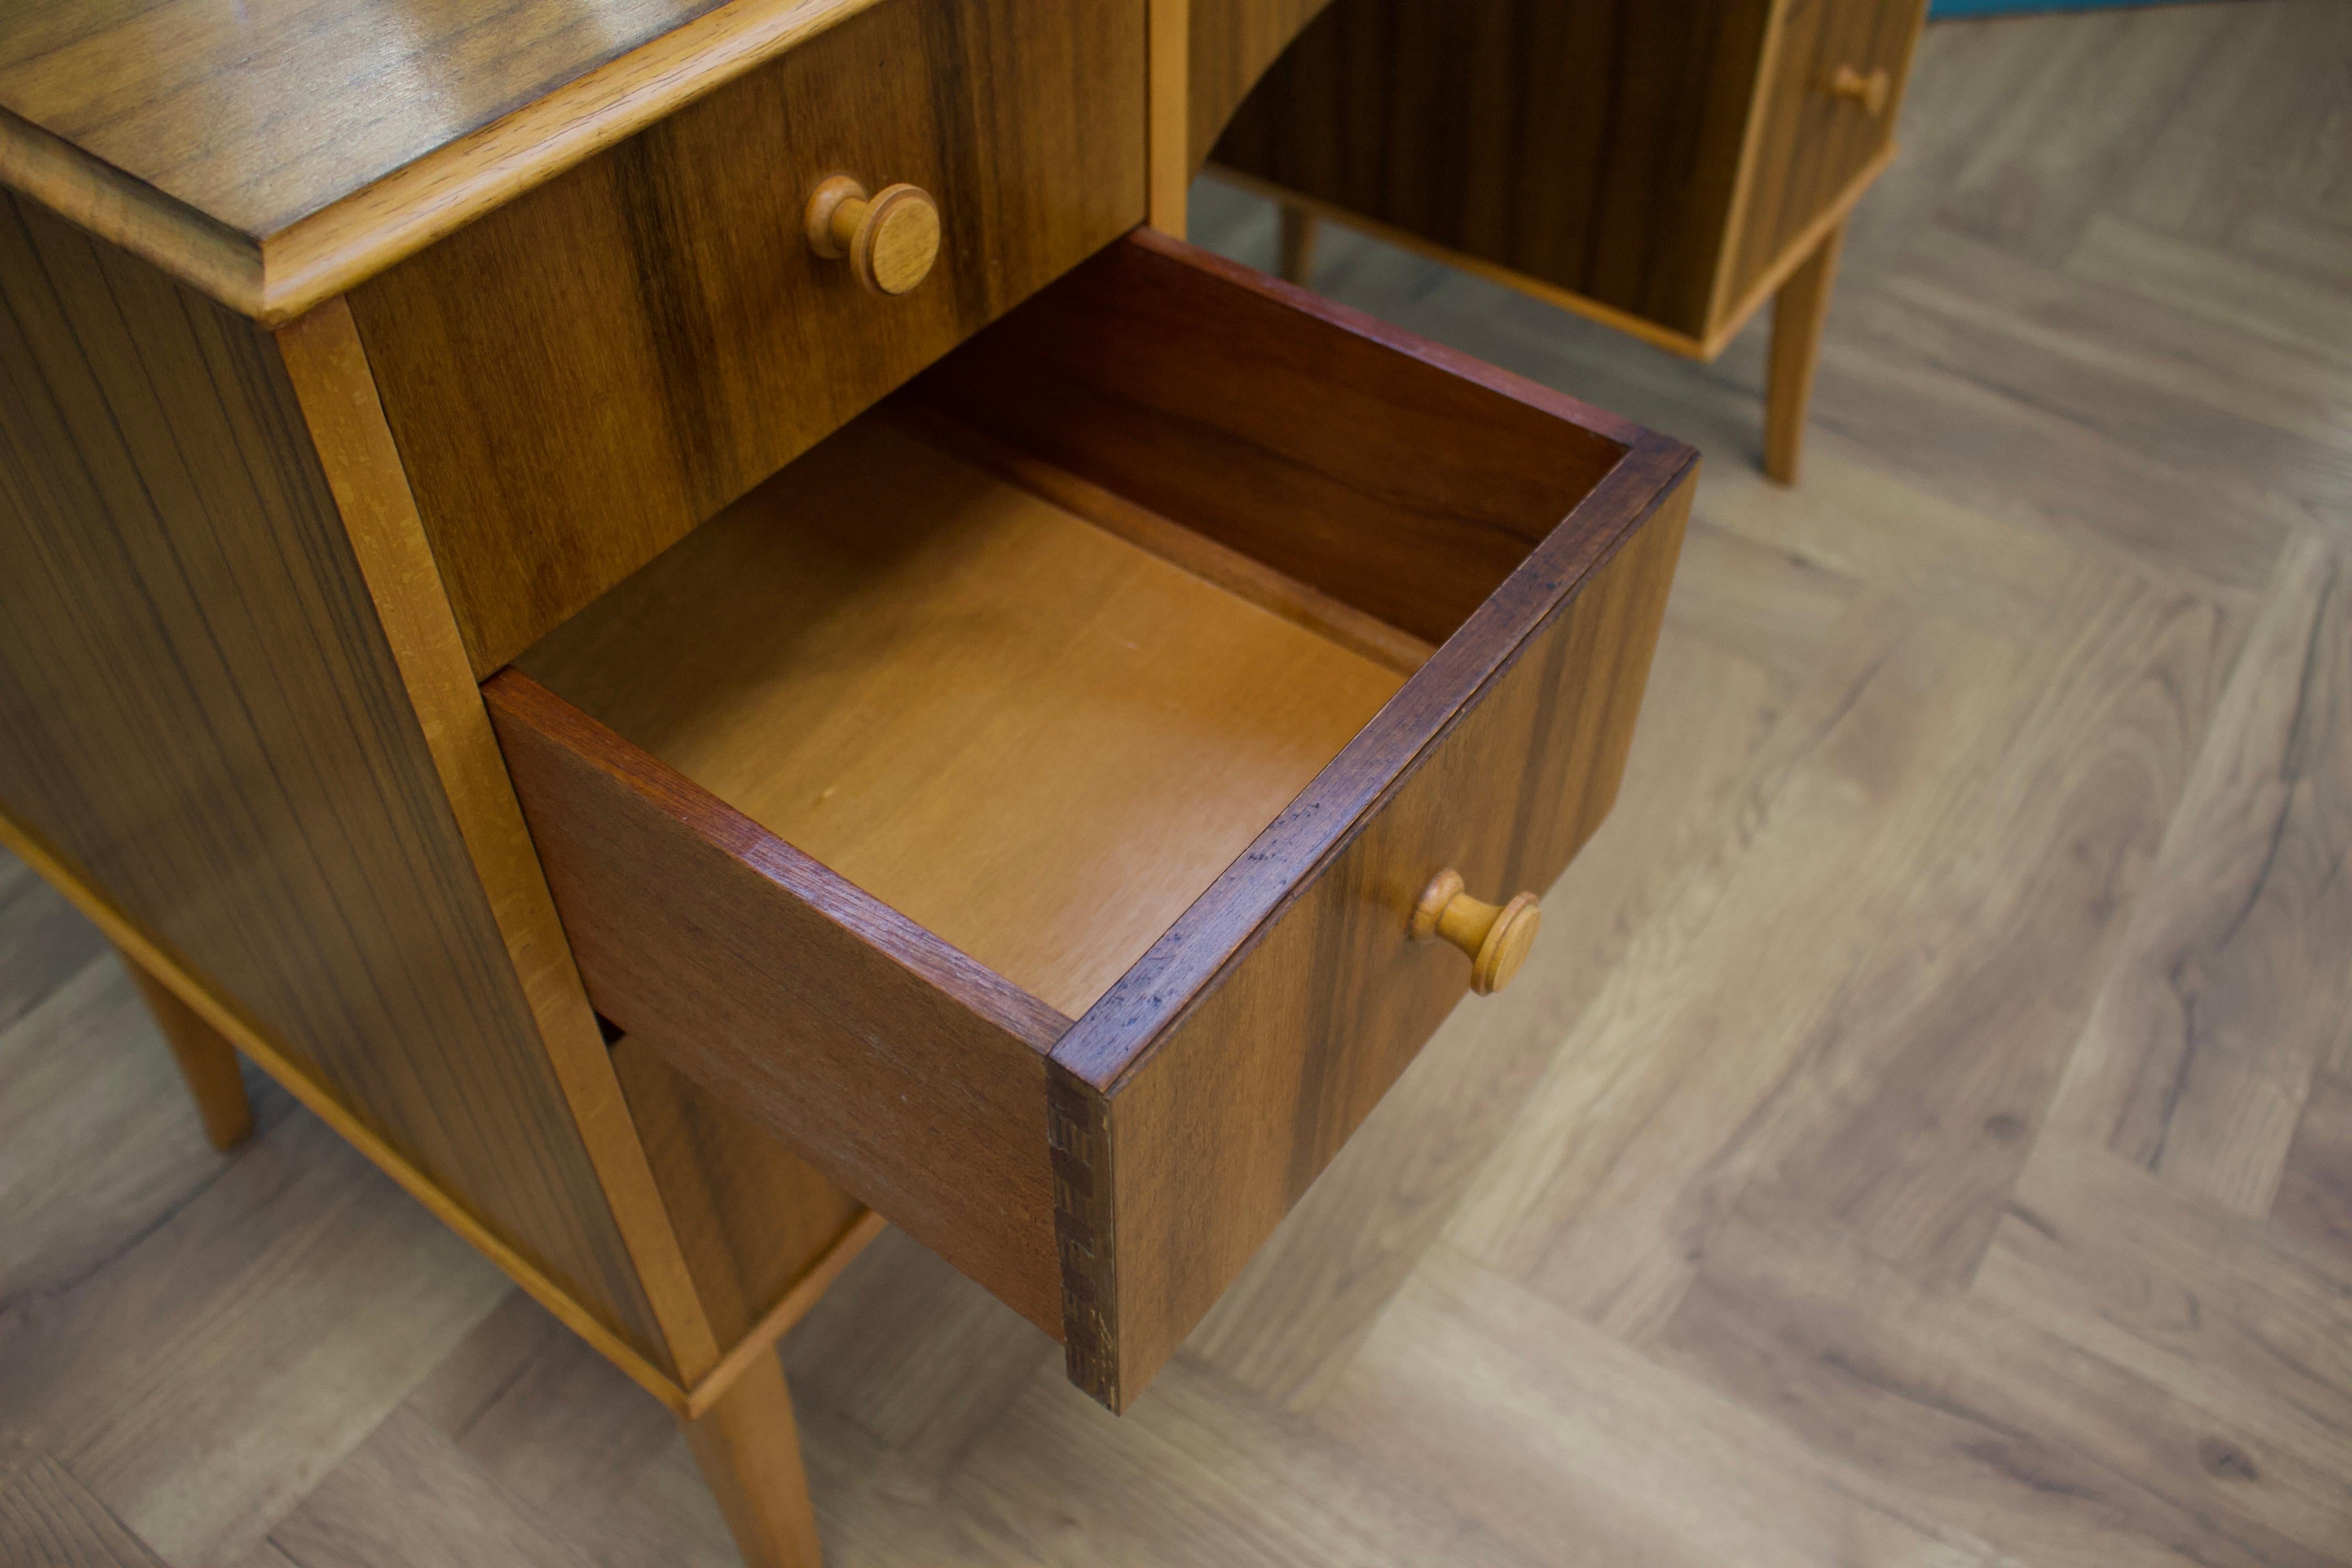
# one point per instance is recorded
(1031, 736)
(955, 660)
(1018, 802)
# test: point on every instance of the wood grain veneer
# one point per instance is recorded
(1660, 166)
(1811, 143)
(1232, 43)
(581, 377)
(273, 157)
(1591, 146)
(200, 711)
(334, 387)
(1202, 1097)
(1160, 1136)
(1367, 465)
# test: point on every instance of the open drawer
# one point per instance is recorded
(1021, 802)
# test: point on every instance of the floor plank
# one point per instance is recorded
(2197, 1060)
(2232, 1318)
(48, 1519)
(1976, 1416)
(408, 1497)
(1552, 1432)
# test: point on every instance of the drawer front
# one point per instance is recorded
(1108, 1175)
(578, 378)
(1193, 1155)
(1815, 140)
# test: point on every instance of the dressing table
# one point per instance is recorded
(698, 626)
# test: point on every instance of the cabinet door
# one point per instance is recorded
(1835, 80)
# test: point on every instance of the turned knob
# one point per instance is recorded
(889, 238)
(1870, 89)
(1495, 936)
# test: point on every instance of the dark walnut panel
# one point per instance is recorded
(1592, 144)
(198, 710)
(1181, 1157)
(1231, 43)
(579, 378)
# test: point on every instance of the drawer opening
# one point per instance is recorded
(1018, 802)
(1035, 739)
(949, 656)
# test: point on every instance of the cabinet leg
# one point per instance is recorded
(1298, 263)
(1798, 312)
(749, 1451)
(207, 1061)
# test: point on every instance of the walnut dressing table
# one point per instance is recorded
(690, 621)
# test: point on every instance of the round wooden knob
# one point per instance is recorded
(1495, 936)
(1871, 89)
(889, 238)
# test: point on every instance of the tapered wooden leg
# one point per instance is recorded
(1798, 312)
(1297, 262)
(207, 1061)
(749, 1451)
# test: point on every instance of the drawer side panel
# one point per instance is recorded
(899, 1069)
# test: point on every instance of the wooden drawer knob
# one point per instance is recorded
(890, 238)
(1871, 89)
(1495, 936)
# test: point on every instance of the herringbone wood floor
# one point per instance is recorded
(1923, 1137)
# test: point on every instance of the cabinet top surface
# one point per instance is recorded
(271, 152)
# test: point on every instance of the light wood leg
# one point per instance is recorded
(749, 1451)
(207, 1061)
(1798, 312)
(1298, 263)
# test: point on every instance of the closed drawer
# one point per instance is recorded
(579, 378)
(1021, 802)
(1827, 114)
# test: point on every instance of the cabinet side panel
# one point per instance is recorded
(198, 710)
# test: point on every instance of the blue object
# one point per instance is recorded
(1944, 9)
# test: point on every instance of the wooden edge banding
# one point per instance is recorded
(167, 969)
(790, 1309)
(328, 369)
(1167, 140)
(93, 194)
(1077, 1137)
(1624, 321)
(1734, 222)
(277, 277)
